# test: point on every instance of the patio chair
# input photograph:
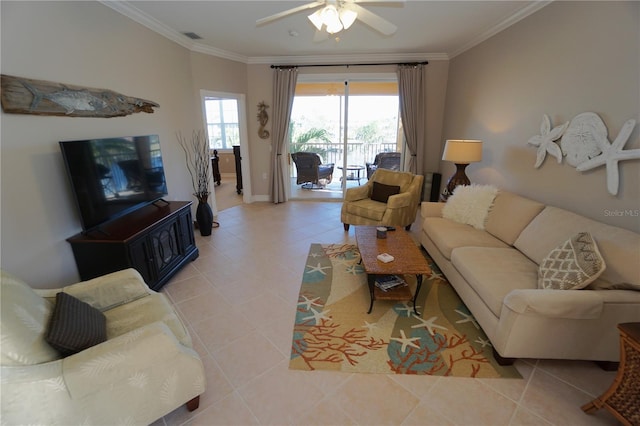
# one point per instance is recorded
(384, 160)
(311, 170)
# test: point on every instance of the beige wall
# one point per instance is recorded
(259, 89)
(87, 44)
(568, 58)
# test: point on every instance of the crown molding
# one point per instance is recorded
(516, 17)
(126, 9)
(131, 12)
(392, 58)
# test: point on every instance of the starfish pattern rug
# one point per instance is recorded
(333, 331)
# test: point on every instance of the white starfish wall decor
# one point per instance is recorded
(611, 154)
(545, 140)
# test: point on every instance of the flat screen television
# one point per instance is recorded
(111, 177)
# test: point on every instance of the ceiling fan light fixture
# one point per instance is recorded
(316, 19)
(334, 27)
(331, 19)
(348, 17)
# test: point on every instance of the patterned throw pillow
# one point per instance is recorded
(75, 325)
(573, 265)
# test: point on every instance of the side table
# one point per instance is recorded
(623, 397)
(349, 175)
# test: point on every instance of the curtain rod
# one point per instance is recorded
(347, 65)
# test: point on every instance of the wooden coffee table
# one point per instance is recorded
(407, 260)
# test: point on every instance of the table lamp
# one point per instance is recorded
(461, 153)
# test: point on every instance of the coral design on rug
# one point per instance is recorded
(332, 330)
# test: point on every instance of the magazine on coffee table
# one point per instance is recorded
(387, 282)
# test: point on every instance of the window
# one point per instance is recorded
(222, 122)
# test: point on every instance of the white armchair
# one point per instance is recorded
(145, 369)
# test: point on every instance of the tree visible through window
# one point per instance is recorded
(222, 122)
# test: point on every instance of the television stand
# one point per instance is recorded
(157, 240)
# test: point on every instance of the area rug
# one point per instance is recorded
(333, 331)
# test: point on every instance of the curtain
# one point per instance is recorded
(284, 87)
(411, 94)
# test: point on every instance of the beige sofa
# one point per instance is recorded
(495, 272)
(144, 369)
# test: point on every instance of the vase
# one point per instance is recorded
(204, 217)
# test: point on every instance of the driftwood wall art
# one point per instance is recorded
(39, 97)
(586, 145)
(263, 118)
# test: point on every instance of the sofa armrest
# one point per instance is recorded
(107, 291)
(568, 304)
(431, 209)
(134, 354)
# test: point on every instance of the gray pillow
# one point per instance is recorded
(75, 325)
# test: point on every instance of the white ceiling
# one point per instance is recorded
(426, 29)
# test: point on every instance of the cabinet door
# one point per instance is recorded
(165, 247)
(186, 237)
(142, 260)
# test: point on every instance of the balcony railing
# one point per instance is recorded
(356, 152)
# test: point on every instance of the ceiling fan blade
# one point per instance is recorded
(374, 21)
(288, 12)
(320, 36)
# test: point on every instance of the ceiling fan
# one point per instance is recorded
(337, 15)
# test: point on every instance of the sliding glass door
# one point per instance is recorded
(347, 122)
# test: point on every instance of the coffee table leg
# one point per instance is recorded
(415, 296)
(371, 280)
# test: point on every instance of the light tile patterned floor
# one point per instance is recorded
(239, 299)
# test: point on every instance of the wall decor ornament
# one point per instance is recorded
(580, 142)
(612, 153)
(39, 97)
(585, 144)
(263, 118)
(545, 141)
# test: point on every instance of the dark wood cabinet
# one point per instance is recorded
(156, 240)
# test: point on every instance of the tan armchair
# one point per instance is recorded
(145, 369)
(366, 205)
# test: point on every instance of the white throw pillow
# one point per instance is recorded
(470, 204)
(572, 265)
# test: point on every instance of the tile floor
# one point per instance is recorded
(239, 299)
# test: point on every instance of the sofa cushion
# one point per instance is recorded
(620, 248)
(470, 204)
(23, 324)
(572, 265)
(448, 235)
(366, 208)
(75, 325)
(510, 214)
(382, 192)
(494, 272)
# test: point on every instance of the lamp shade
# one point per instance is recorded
(462, 151)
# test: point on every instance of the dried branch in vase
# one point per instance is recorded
(197, 157)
